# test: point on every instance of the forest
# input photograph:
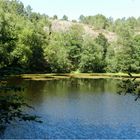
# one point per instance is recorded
(66, 79)
(29, 45)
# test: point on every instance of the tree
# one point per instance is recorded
(8, 36)
(132, 22)
(27, 42)
(129, 86)
(98, 21)
(17, 6)
(111, 58)
(28, 11)
(12, 104)
(81, 18)
(55, 17)
(56, 55)
(110, 26)
(127, 52)
(75, 40)
(65, 18)
(103, 42)
(91, 57)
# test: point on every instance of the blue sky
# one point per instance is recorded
(74, 8)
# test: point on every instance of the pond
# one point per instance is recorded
(77, 108)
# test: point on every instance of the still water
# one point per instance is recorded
(77, 108)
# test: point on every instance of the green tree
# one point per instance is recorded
(127, 53)
(98, 21)
(28, 10)
(103, 42)
(81, 18)
(55, 17)
(65, 18)
(91, 57)
(111, 58)
(132, 22)
(8, 36)
(75, 40)
(56, 55)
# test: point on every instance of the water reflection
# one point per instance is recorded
(70, 88)
(78, 108)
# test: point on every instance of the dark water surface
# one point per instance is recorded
(78, 108)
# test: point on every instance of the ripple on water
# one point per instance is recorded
(91, 109)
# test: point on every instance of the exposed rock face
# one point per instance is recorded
(64, 26)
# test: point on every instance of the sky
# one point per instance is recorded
(74, 8)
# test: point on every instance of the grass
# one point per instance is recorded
(55, 76)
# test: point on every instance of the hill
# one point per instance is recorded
(63, 26)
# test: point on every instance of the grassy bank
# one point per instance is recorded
(76, 75)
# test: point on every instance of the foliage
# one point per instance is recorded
(92, 55)
(56, 55)
(12, 106)
(103, 42)
(65, 18)
(55, 17)
(75, 43)
(98, 21)
(28, 42)
(130, 86)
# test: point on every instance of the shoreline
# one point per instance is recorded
(56, 76)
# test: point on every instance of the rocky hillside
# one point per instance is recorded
(60, 25)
